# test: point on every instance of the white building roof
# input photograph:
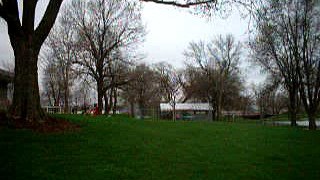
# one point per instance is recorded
(186, 106)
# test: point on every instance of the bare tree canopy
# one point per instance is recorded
(287, 45)
(58, 55)
(143, 89)
(26, 41)
(218, 62)
(106, 31)
(169, 84)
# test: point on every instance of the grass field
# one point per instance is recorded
(284, 117)
(124, 148)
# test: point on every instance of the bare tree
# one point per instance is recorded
(59, 55)
(308, 39)
(270, 97)
(104, 28)
(52, 84)
(194, 85)
(218, 61)
(81, 95)
(286, 44)
(119, 76)
(170, 84)
(26, 41)
(143, 89)
(246, 102)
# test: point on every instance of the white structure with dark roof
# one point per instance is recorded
(186, 107)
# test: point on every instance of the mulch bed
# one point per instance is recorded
(50, 125)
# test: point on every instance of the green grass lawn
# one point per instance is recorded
(124, 148)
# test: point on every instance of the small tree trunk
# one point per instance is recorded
(219, 103)
(114, 108)
(132, 109)
(110, 99)
(293, 118)
(100, 96)
(142, 109)
(174, 112)
(26, 98)
(66, 93)
(212, 111)
(262, 109)
(219, 108)
(106, 104)
(66, 101)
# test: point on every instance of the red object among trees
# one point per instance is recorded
(96, 111)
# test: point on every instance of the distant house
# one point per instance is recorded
(186, 107)
(194, 111)
(6, 79)
(187, 111)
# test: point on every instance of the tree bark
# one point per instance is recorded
(110, 100)
(213, 111)
(312, 120)
(174, 112)
(293, 108)
(132, 109)
(115, 97)
(26, 98)
(26, 43)
(106, 104)
(100, 95)
(66, 91)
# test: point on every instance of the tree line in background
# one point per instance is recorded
(95, 41)
(92, 47)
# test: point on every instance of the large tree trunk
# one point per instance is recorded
(26, 98)
(26, 43)
(293, 108)
(312, 120)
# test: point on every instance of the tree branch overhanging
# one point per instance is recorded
(180, 4)
(9, 12)
(48, 20)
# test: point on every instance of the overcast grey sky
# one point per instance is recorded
(169, 31)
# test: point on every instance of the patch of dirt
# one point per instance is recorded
(50, 125)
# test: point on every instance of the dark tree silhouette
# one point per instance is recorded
(184, 4)
(26, 41)
(107, 30)
(287, 46)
